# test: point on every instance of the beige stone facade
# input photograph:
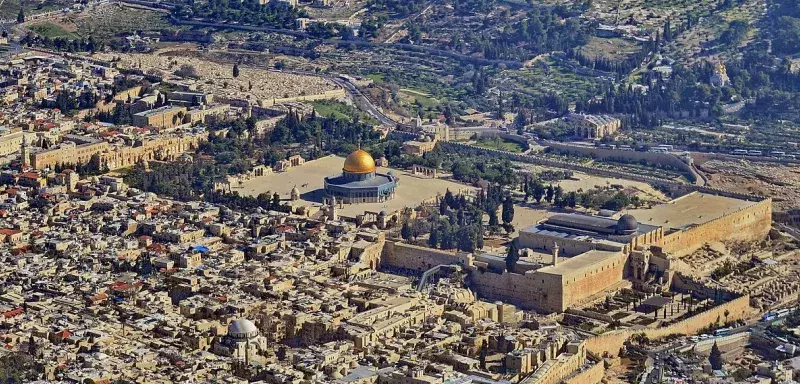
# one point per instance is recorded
(161, 148)
(164, 117)
(68, 153)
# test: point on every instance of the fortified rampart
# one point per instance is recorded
(420, 259)
(610, 343)
(667, 159)
(326, 95)
(747, 224)
(591, 375)
(565, 364)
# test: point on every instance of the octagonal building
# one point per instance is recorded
(359, 182)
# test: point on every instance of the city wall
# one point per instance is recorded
(554, 370)
(527, 291)
(613, 154)
(610, 343)
(326, 95)
(748, 224)
(420, 259)
(591, 375)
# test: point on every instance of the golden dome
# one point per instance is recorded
(359, 162)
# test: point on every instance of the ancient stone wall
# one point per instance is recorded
(612, 342)
(579, 285)
(554, 370)
(326, 95)
(614, 154)
(420, 259)
(165, 148)
(591, 375)
(748, 224)
(541, 292)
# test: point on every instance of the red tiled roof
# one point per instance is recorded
(8, 231)
(12, 313)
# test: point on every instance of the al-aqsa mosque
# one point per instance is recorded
(359, 182)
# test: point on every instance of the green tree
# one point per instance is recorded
(538, 191)
(236, 70)
(715, 359)
(551, 192)
(276, 200)
(405, 231)
(21, 16)
(513, 255)
(482, 354)
(433, 239)
(508, 210)
(493, 217)
(16, 368)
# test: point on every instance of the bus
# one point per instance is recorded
(722, 332)
(783, 312)
(753, 153)
(739, 152)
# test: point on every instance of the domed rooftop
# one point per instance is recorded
(242, 328)
(359, 162)
(627, 224)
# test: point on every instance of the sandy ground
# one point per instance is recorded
(213, 76)
(309, 180)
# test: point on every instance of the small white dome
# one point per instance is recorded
(242, 329)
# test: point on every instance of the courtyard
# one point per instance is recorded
(411, 192)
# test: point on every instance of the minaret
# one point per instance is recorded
(334, 215)
(25, 152)
(555, 253)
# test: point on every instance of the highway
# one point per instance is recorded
(362, 101)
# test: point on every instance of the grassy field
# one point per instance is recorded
(339, 110)
(102, 23)
(549, 76)
(51, 30)
(612, 49)
(498, 143)
(10, 8)
(111, 20)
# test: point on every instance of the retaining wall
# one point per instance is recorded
(747, 224)
(611, 343)
(635, 156)
(420, 259)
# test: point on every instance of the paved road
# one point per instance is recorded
(363, 102)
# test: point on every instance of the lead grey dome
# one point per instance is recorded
(627, 224)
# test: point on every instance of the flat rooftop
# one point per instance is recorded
(309, 179)
(153, 112)
(577, 264)
(686, 211)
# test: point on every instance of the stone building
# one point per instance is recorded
(594, 126)
(164, 117)
(243, 342)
